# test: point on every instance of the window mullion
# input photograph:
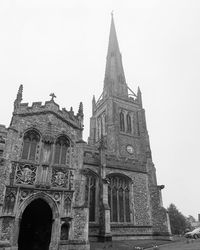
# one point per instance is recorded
(60, 156)
(118, 215)
(124, 205)
(29, 150)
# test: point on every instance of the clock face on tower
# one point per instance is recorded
(129, 149)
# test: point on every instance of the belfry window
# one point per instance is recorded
(118, 198)
(91, 195)
(61, 146)
(128, 120)
(122, 125)
(30, 143)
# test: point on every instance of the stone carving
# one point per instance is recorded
(67, 201)
(48, 138)
(56, 196)
(24, 194)
(6, 229)
(9, 201)
(25, 174)
(59, 178)
(63, 178)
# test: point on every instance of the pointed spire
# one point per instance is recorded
(139, 96)
(19, 97)
(80, 110)
(93, 104)
(80, 114)
(114, 82)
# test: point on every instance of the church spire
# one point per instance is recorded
(19, 97)
(114, 82)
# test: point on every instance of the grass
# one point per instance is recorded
(130, 244)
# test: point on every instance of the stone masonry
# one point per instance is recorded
(76, 191)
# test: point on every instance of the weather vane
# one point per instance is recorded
(52, 96)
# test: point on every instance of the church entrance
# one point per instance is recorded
(35, 227)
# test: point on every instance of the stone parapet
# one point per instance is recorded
(50, 107)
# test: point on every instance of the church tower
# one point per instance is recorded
(118, 114)
(118, 119)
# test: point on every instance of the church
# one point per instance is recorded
(59, 192)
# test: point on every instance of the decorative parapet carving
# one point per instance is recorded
(62, 178)
(25, 174)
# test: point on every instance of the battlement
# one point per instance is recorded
(50, 107)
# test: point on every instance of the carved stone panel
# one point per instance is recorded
(24, 194)
(25, 174)
(68, 201)
(62, 177)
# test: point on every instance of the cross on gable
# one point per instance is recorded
(52, 96)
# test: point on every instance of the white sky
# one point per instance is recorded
(60, 46)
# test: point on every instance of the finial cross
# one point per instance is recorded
(52, 96)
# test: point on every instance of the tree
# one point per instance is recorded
(179, 223)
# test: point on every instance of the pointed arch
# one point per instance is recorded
(39, 195)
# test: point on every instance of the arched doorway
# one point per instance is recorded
(35, 226)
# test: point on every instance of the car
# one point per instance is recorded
(193, 234)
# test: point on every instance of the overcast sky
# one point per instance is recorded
(60, 46)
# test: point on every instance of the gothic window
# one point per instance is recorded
(118, 198)
(128, 120)
(122, 125)
(91, 195)
(138, 125)
(30, 143)
(61, 146)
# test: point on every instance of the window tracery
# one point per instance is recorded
(60, 153)
(91, 195)
(30, 142)
(119, 198)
